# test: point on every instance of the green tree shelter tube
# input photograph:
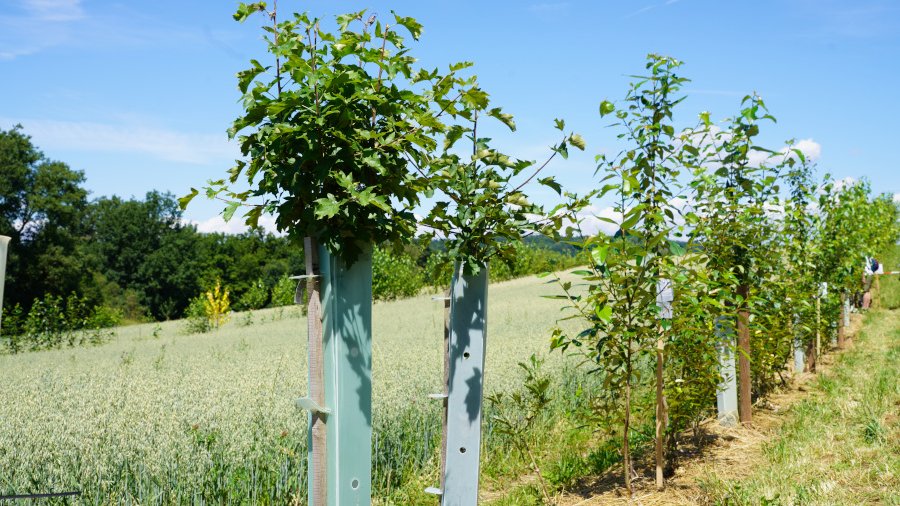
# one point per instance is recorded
(4, 245)
(468, 333)
(347, 333)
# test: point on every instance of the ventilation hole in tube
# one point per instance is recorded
(462, 450)
(354, 484)
(466, 355)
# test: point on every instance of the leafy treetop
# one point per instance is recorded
(329, 131)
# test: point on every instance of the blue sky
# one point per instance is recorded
(138, 95)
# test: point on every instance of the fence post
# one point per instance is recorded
(346, 301)
(726, 396)
(4, 245)
(468, 332)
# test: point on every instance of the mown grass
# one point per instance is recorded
(160, 417)
(841, 445)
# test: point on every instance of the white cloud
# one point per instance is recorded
(846, 182)
(592, 220)
(897, 198)
(163, 144)
(37, 25)
(811, 149)
(235, 226)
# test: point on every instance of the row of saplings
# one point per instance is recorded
(343, 137)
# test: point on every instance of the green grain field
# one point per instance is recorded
(157, 416)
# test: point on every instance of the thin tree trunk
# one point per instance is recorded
(661, 416)
(745, 406)
(537, 470)
(626, 449)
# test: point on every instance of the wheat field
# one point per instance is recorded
(157, 416)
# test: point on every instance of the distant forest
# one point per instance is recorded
(138, 258)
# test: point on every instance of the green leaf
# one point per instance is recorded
(414, 27)
(229, 210)
(184, 201)
(244, 11)
(606, 107)
(327, 207)
(507, 119)
(604, 313)
(599, 254)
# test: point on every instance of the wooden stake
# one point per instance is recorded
(446, 384)
(318, 484)
(745, 406)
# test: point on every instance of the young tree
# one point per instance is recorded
(329, 133)
(733, 189)
(622, 283)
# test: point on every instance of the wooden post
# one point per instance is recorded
(726, 394)
(444, 395)
(745, 406)
(4, 246)
(317, 443)
(446, 385)
(664, 297)
(468, 331)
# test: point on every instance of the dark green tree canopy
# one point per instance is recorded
(330, 131)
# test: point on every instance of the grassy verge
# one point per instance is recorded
(840, 445)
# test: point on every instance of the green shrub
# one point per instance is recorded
(395, 276)
(195, 319)
(283, 292)
(53, 322)
(256, 297)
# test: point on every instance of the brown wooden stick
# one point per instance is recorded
(446, 384)
(318, 427)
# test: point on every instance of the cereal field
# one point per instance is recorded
(158, 416)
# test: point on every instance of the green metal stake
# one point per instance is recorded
(347, 332)
(342, 414)
(468, 331)
(4, 245)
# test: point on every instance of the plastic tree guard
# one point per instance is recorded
(346, 294)
(799, 356)
(468, 332)
(726, 398)
(4, 244)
